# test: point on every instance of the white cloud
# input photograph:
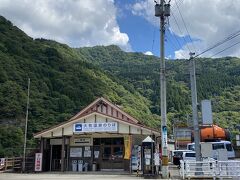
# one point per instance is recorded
(207, 21)
(74, 22)
(148, 53)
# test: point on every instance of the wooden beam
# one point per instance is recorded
(41, 145)
(63, 151)
(51, 158)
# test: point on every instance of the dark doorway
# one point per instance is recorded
(109, 153)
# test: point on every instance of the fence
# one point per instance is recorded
(14, 163)
(210, 169)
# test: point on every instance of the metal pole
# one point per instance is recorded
(26, 125)
(194, 106)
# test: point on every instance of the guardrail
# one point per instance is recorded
(209, 169)
(228, 169)
(197, 169)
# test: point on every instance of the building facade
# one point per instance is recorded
(100, 137)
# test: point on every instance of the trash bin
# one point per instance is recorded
(74, 165)
(80, 165)
(86, 166)
(94, 166)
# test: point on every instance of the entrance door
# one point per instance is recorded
(112, 157)
(111, 154)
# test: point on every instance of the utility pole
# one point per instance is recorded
(26, 126)
(194, 106)
(162, 11)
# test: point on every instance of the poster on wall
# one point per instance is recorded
(96, 154)
(38, 162)
(76, 152)
(87, 153)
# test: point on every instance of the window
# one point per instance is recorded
(118, 141)
(96, 141)
(229, 147)
(217, 146)
(118, 152)
(106, 141)
(190, 155)
(107, 153)
(191, 147)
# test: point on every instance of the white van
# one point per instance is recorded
(189, 156)
(215, 146)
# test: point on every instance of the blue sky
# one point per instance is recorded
(129, 24)
(143, 35)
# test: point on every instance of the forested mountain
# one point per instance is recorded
(217, 79)
(62, 83)
(64, 80)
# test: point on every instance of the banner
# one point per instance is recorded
(127, 146)
(38, 162)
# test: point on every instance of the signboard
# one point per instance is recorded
(2, 161)
(82, 141)
(164, 134)
(95, 127)
(75, 152)
(58, 141)
(38, 162)
(237, 139)
(207, 117)
(156, 159)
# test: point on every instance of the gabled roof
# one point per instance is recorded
(95, 103)
(104, 107)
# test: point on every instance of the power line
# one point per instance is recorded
(185, 26)
(181, 32)
(175, 38)
(233, 35)
(172, 34)
(225, 49)
(153, 41)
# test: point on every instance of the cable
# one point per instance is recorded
(185, 26)
(233, 35)
(181, 32)
(225, 49)
(153, 39)
(176, 41)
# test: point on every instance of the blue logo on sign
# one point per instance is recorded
(78, 127)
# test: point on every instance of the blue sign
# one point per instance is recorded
(78, 127)
(164, 129)
(96, 127)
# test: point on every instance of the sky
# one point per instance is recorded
(193, 26)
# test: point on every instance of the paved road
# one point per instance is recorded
(70, 176)
(47, 176)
